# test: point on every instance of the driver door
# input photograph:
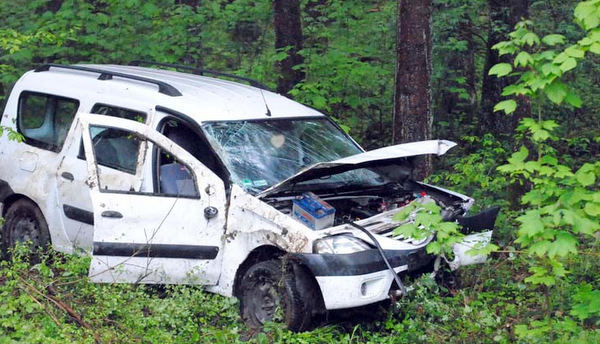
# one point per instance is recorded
(159, 234)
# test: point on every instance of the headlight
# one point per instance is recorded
(339, 244)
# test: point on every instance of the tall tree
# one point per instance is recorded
(288, 38)
(503, 16)
(412, 100)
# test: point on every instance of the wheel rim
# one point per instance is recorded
(264, 300)
(26, 229)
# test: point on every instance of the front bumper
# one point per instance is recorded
(358, 279)
(362, 278)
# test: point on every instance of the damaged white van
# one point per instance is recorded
(175, 177)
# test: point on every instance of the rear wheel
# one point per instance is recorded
(25, 224)
(270, 292)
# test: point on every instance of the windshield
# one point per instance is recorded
(262, 153)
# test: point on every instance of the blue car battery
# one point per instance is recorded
(313, 211)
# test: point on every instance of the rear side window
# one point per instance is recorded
(114, 111)
(44, 120)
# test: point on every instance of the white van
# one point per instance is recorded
(172, 177)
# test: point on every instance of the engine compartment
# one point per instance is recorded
(355, 205)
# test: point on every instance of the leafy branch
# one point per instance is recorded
(563, 203)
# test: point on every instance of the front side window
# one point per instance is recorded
(44, 120)
(119, 149)
(116, 149)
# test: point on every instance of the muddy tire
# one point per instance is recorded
(25, 223)
(269, 292)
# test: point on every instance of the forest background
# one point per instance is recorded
(537, 156)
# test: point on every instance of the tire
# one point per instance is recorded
(25, 223)
(269, 292)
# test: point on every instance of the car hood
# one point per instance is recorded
(381, 157)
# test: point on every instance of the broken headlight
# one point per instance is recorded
(339, 244)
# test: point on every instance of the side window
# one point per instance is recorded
(183, 135)
(114, 111)
(116, 149)
(119, 147)
(176, 179)
(44, 119)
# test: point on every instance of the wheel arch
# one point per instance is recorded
(259, 254)
(14, 197)
(304, 275)
(7, 196)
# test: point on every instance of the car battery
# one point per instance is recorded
(313, 211)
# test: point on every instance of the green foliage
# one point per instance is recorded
(423, 219)
(42, 303)
(586, 303)
(349, 64)
(541, 67)
(561, 205)
(12, 135)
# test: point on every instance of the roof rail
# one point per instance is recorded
(163, 87)
(200, 71)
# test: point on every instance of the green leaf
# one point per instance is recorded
(573, 100)
(531, 38)
(501, 69)
(565, 243)
(585, 175)
(584, 225)
(562, 57)
(586, 14)
(523, 59)
(540, 248)
(517, 158)
(551, 69)
(569, 64)
(518, 89)
(592, 209)
(595, 48)
(531, 224)
(550, 125)
(553, 39)
(508, 106)
(556, 91)
(575, 51)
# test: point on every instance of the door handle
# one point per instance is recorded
(112, 214)
(67, 176)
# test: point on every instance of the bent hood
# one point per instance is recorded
(386, 156)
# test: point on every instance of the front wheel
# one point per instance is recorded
(25, 223)
(270, 291)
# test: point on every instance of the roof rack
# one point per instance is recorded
(163, 87)
(200, 71)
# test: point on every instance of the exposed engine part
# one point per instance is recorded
(351, 207)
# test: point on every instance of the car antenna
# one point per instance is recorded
(265, 101)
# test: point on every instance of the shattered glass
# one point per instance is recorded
(261, 153)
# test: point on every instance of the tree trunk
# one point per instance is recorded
(503, 16)
(412, 100)
(288, 37)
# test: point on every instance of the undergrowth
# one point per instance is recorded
(53, 302)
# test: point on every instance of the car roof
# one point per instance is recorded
(198, 97)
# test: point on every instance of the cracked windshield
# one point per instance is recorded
(262, 153)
